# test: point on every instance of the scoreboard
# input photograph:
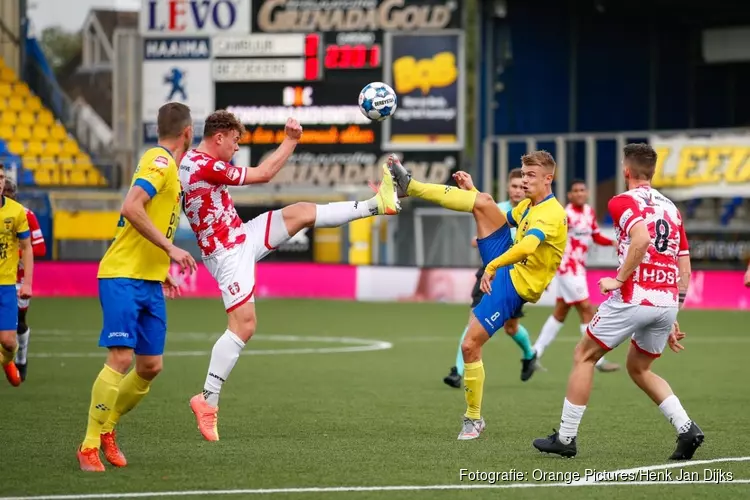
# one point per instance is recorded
(266, 60)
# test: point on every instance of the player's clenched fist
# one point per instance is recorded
(293, 129)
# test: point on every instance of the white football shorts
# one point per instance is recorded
(648, 327)
(234, 270)
(22, 303)
(572, 289)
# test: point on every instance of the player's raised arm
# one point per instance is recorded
(597, 235)
(37, 237)
(515, 214)
(626, 213)
(268, 169)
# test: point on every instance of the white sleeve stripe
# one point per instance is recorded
(683, 253)
(37, 240)
(243, 171)
(629, 225)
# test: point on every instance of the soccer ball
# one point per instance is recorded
(377, 101)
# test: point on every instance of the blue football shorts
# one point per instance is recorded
(8, 308)
(503, 303)
(135, 315)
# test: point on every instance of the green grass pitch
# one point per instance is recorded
(306, 409)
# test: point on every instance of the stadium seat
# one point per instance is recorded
(15, 103)
(70, 147)
(52, 148)
(26, 118)
(34, 148)
(41, 132)
(9, 117)
(31, 162)
(6, 132)
(33, 103)
(23, 132)
(7, 75)
(16, 147)
(44, 117)
(58, 133)
(21, 89)
(6, 90)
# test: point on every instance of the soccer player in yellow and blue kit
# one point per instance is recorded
(14, 234)
(516, 272)
(133, 278)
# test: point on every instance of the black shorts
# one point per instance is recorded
(477, 294)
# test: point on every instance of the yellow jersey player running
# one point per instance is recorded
(131, 276)
(516, 272)
(15, 234)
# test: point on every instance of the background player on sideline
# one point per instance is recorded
(14, 239)
(39, 249)
(650, 286)
(572, 287)
(512, 327)
(231, 248)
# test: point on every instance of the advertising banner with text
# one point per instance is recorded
(427, 73)
(716, 166)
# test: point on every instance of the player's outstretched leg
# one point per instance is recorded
(23, 342)
(563, 443)
(516, 331)
(453, 379)
(689, 435)
(473, 423)
(8, 349)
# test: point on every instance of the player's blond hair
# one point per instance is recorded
(539, 158)
(222, 121)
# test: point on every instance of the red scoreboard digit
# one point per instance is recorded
(352, 57)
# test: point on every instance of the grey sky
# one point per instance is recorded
(70, 13)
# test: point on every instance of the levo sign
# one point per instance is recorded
(180, 18)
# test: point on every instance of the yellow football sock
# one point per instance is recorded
(448, 197)
(7, 356)
(473, 388)
(132, 389)
(103, 398)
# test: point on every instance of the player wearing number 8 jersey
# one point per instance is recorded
(131, 276)
(650, 287)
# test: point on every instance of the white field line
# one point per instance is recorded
(434, 487)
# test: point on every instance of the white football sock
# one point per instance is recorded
(339, 213)
(570, 420)
(23, 347)
(675, 413)
(223, 357)
(549, 331)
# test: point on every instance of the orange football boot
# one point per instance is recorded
(12, 374)
(207, 417)
(89, 460)
(112, 452)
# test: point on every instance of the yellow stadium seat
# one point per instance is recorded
(6, 90)
(9, 118)
(16, 147)
(7, 75)
(34, 147)
(30, 162)
(58, 133)
(44, 117)
(33, 103)
(3, 103)
(70, 147)
(40, 132)
(26, 118)
(23, 133)
(6, 132)
(52, 148)
(15, 103)
(78, 177)
(21, 89)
